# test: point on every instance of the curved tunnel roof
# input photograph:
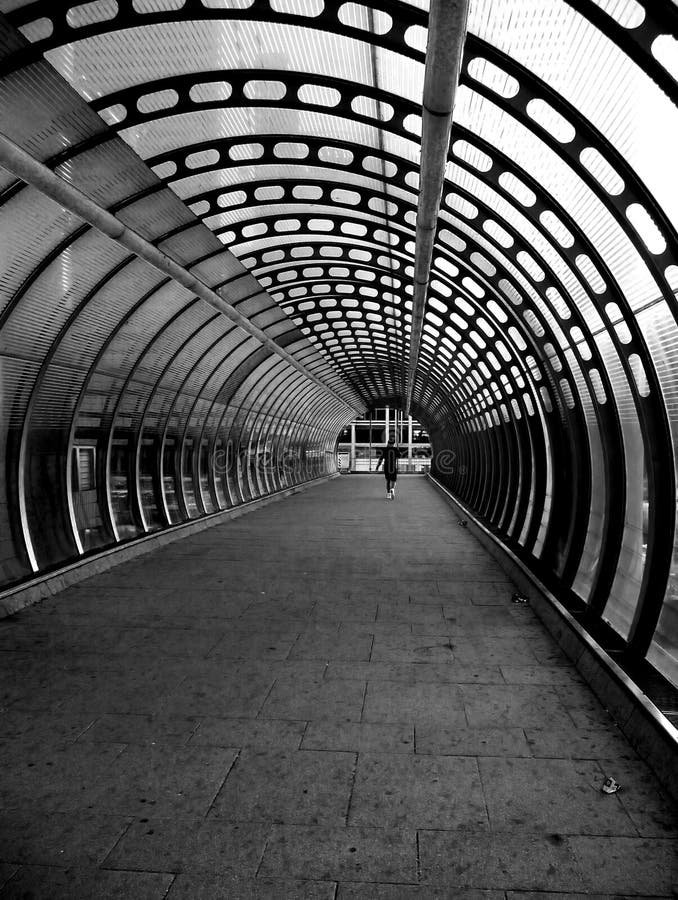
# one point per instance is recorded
(271, 150)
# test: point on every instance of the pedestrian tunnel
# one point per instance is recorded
(214, 257)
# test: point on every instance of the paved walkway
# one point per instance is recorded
(330, 698)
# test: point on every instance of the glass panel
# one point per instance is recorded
(114, 61)
(623, 599)
(551, 39)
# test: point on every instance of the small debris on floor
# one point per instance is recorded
(462, 522)
(518, 598)
(610, 786)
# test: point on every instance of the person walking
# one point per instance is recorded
(389, 457)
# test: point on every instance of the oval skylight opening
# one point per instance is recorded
(379, 166)
(530, 265)
(37, 30)
(355, 15)
(602, 171)
(290, 150)
(519, 191)
(551, 121)
(246, 151)
(472, 155)
(264, 90)
(416, 37)
(149, 103)
(374, 109)
(590, 273)
(496, 79)
(335, 156)
(309, 8)
(92, 13)
(151, 6)
(499, 234)
(202, 158)
(665, 51)
(645, 225)
(232, 198)
(461, 206)
(552, 224)
(269, 192)
(210, 92)
(113, 115)
(598, 388)
(307, 192)
(318, 95)
(412, 123)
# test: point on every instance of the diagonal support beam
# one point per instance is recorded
(16, 160)
(446, 34)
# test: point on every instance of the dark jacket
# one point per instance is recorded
(389, 457)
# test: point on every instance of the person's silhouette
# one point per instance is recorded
(390, 455)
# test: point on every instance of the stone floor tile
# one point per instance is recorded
(180, 844)
(236, 694)
(359, 737)
(174, 641)
(296, 699)
(547, 652)
(412, 613)
(551, 795)
(138, 729)
(50, 883)
(261, 733)
(55, 777)
(302, 669)
(628, 865)
(488, 620)
(410, 892)
(541, 675)
(400, 791)
(7, 870)
(233, 887)
(416, 673)
(651, 811)
(249, 645)
(360, 611)
(460, 740)
(519, 706)
(296, 787)
(539, 895)
(338, 854)
(54, 728)
(355, 647)
(163, 780)
(382, 627)
(41, 837)
(128, 688)
(498, 861)
(580, 743)
(275, 611)
(439, 630)
(390, 701)
(413, 648)
(583, 707)
(473, 649)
